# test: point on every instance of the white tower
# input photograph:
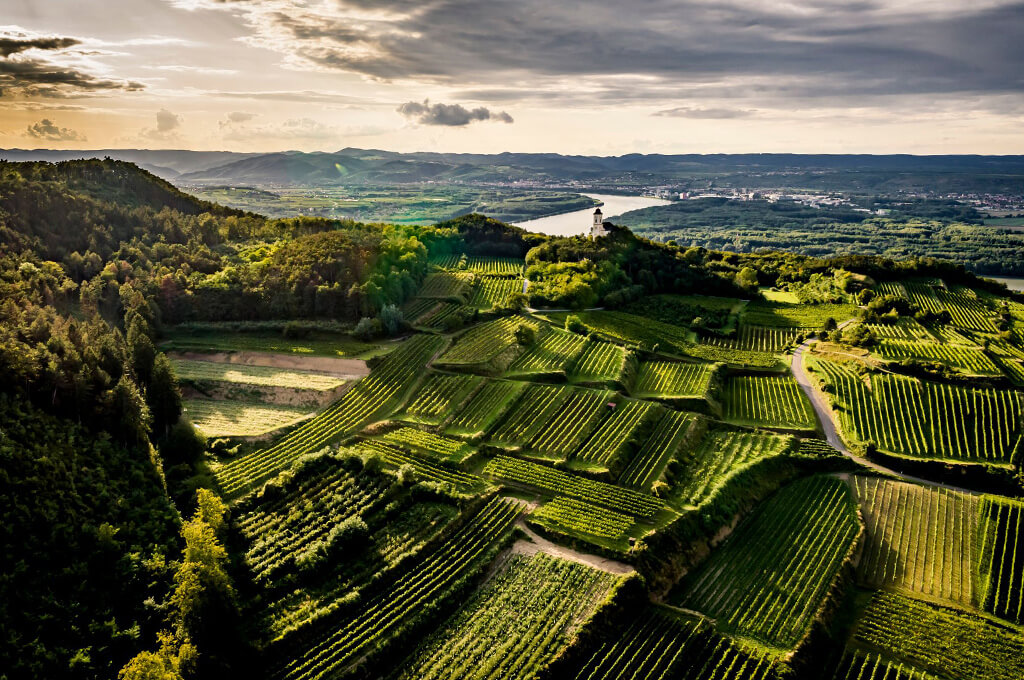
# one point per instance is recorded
(597, 226)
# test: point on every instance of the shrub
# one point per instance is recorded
(525, 335)
(368, 329)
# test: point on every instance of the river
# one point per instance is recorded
(578, 221)
(1012, 282)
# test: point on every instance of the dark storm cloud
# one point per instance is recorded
(23, 73)
(426, 113)
(12, 45)
(812, 48)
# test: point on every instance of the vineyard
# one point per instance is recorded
(230, 418)
(756, 339)
(535, 408)
(1002, 558)
(555, 350)
(494, 291)
(577, 417)
(971, 360)
(769, 578)
(550, 480)
(661, 447)
(483, 342)
(636, 331)
(214, 371)
(946, 642)
(337, 645)
(767, 401)
(599, 362)
(435, 445)
(515, 625)
(720, 456)
(660, 645)
(918, 539)
(485, 408)
(438, 397)
(931, 420)
(574, 516)
(425, 468)
(445, 286)
(611, 439)
(673, 379)
(868, 666)
(488, 266)
(279, 538)
(964, 307)
(373, 395)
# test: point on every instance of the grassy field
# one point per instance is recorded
(317, 344)
(203, 371)
(222, 418)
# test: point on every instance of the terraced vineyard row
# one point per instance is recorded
(756, 339)
(277, 536)
(577, 417)
(485, 407)
(970, 359)
(483, 342)
(254, 375)
(661, 447)
(916, 418)
(552, 353)
(661, 645)
(673, 379)
(918, 539)
(1002, 558)
(445, 286)
(438, 396)
(436, 445)
(769, 401)
(608, 442)
(946, 642)
(576, 516)
(599, 362)
(550, 480)
(230, 418)
(965, 309)
(532, 412)
(369, 398)
(720, 456)
(770, 577)
(488, 266)
(494, 291)
(796, 316)
(425, 468)
(435, 314)
(339, 644)
(515, 625)
(858, 665)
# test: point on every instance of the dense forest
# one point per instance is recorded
(933, 229)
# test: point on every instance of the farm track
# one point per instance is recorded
(828, 423)
(540, 544)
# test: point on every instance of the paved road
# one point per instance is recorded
(828, 424)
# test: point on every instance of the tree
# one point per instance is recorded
(140, 348)
(391, 319)
(574, 325)
(746, 279)
(162, 396)
(526, 335)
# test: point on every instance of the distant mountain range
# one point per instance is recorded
(373, 166)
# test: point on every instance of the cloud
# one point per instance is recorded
(236, 117)
(292, 129)
(47, 130)
(37, 65)
(453, 115)
(704, 113)
(167, 125)
(742, 49)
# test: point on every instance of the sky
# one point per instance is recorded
(603, 77)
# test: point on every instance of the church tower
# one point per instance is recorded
(597, 229)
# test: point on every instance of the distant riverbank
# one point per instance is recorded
(1012, 282)
(578, 221)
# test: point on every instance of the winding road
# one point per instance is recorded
(828, 424)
